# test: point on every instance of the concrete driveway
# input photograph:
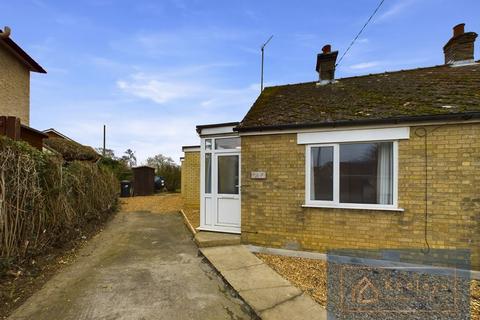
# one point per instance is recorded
(142, 266)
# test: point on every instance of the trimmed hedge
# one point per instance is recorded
(71, 150)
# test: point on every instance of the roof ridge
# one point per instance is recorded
(368, 75)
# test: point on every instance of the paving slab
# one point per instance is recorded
(299, 308)
(265, 298)
(255, 277)
(271, 296)
(205, 239)
(230, 257)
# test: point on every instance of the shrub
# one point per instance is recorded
(118, 167)
(45, 202)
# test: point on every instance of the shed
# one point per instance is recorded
(143, 181)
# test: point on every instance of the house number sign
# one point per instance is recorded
(258, 175)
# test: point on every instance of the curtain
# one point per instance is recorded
(385, 173)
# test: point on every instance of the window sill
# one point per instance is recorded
(352, 207)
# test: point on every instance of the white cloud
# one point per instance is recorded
(158, 91)
(365, 65)
(174, 85)
(398, 8)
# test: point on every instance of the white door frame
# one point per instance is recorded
(209, 201)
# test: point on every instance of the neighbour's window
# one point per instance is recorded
(227, 143)
(208, 173)
(351, 173)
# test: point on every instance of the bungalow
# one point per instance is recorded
(389, 160)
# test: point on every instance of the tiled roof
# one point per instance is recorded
(439, 90)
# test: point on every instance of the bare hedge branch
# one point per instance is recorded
(44, 202)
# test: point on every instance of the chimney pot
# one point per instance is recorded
(327, 48)
(459, 29)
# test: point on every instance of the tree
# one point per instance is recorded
(168, 169)
(159, 162)
(109, 153)
(117, 165)
(129, 158)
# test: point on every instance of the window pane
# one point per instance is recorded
(321, 179)
(228, 174)
(227, 143)
(208, 144)
(208, 173)
(366, 173)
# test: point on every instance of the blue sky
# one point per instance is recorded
(152, 70)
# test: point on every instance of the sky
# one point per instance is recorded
(153, 70)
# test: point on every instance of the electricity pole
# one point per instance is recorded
(104, 138)
(263, 54)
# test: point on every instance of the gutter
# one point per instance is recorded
(465, 116)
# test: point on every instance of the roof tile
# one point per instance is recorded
(418, 92)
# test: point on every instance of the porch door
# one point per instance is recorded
(227, 191)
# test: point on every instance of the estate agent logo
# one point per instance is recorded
(360, 289)
(365, 292)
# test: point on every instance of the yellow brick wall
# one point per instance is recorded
(272, 214)
(191, 180)
(14, 87)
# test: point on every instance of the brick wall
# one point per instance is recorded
(191, 180)
(272, 214)
(14, 87)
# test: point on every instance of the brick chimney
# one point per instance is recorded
(326, 65)
(459, 49)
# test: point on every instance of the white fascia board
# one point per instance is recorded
(217, 130)
(353, 135)
(191, 149)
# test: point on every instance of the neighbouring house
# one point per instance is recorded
(389, 160)
(52, 133)
(190, 179)
(12, 128)
(68, 148)
(15, 66)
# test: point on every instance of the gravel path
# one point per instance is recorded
(310, 276)
(158, 203)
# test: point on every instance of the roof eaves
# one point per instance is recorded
(58, 133)
(341, 123)
(22, 55)
(215, 125)
(34, 130)
(190, 147)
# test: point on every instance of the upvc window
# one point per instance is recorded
(352, 175)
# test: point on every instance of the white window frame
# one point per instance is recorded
(336, 180)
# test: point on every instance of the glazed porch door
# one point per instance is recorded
(227, 191)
